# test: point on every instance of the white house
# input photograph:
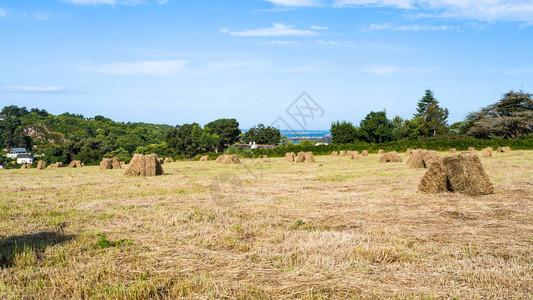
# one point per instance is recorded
(15, 152)
(2, 117)
(24, 158)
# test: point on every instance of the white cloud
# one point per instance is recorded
(104, 2)
(329, 43)
(316, 27)
(389, 70)
(238, 64)
(415, 27)
(3, 13)
(163, 68)
(161, 2)
(483, 10)
(278, 29)
(282, 42)
(32, 89)
(295, 3)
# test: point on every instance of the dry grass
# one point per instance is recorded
(334, 229)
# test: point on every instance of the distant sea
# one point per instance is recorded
(313, 134)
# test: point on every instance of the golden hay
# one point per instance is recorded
(115, 163)
(144, 165)
(265, 156)
(380, 151)
(58, 164)
(161, 161)
(487, 152)
(390, 157)
(342, 153)
(354, 155)
(504, 149)
(463, 173)
(290, 156)
(301, 157)
(471, 149)
(41, 165)
(168, 160)
(26, 166)
(364, 153)
(334, 153)
(220, 159)
(75, 164)
(309, 158)
(204, 158)
(106, 164)
(453, 150)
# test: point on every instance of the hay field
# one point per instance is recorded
(266, 229)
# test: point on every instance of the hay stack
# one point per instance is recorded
(354, 155)
(161, 161)
(41, 165)
(106, 164)
(168, 160)
(471, 149)
(265, 156)
(228, 159)
(122, 164)
(26, 166)
(342, 153)
(364, 153)
(409, 151)
(453, 150)
(300, 158)
(334, 153)
(144, 165)
(391, 157)
(235, 159)
(115, 163)
(290, 156)
(422, 158)
(463, 173)
(58, 164)
(380, 151)
(219, 159)
(309, 158)
(204, 158)
(487, 152)
(75, 164)
(504, 149)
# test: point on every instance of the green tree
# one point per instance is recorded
(376, 128)
(434, 120)
(227, 131)
(263, 135)
(343, 132)
(405, 129)
(424, 102)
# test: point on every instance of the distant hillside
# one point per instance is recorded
(70, 136)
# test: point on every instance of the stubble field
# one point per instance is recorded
(265, 229)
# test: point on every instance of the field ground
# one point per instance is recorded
(334, 229)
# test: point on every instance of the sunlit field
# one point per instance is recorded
(265, 229)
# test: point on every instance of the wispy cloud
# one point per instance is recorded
(3, 13)
(163, 68)
(238, 65)
(32, 89)
(161, 2)
(104, 2)
(296, 3)
(316, 27)
(414, 27)
(282, 42)
(277, 29)
(389, 70)
(329, 43)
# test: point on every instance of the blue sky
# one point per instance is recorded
(180, 61)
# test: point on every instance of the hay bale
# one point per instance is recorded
(435, 180)
(342, 153)
(204, 158)
(380, 151)
(464, 174)
(301, 157)
(453, 150)
(334, 153)
(487, 152)
(220, 159)
(144, 165)
(161, 161)
(265, 156)
(58, 164)
(471, 149)
(290, 156)
(354, 155)
(235, 159)
(309, 158)
(41, 165)
(75, 164)
(416, 160)
(168, 160)
(106, 164)
(504, 149)
(364, 153)
(26, 166)
(391, 157)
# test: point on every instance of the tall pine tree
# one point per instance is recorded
(424, 102)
